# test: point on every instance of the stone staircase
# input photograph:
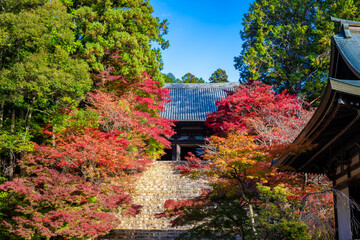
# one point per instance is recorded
(156, 185)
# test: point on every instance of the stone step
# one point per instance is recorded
(132, 234)
(156, 185)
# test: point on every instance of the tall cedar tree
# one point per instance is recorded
(287, 43)
(116, 36)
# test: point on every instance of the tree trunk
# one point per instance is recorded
(305, 180)
(2, 113)
(10, 168)
(9, 163)
(27, 121)
(53, 139)
(251, 211)
(242, 233)
(252, 218)
(12, 126)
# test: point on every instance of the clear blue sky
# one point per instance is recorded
(203, 34)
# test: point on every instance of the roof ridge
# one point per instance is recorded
(342, 21)
(346, 26)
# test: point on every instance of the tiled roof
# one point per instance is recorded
(348, 43)
(191, 101)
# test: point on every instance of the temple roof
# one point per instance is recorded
(350, 50)
(347, 43)
(192, 101)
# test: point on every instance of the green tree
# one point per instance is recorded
(246, 196)
(287, 43)
(116, 36)
(218, 76)
(51, 52)
(37, 74)
(170, 78)
(190, 78)
(57, 56)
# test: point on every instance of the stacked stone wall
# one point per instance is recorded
(156, 185)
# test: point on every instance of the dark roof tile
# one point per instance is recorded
(348, 43)
(192, 101)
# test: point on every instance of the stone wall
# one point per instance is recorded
(157, 184)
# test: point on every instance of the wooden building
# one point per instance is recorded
(335, 129)
(190, 103)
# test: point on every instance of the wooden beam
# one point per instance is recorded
(332, 140)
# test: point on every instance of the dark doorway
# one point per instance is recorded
(194, 149)
(167, 156)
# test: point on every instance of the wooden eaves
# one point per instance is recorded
(336, 121)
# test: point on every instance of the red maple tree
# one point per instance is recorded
(247, 197)
(254, 108)
(73, 185)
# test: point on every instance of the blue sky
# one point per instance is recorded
(203, 34)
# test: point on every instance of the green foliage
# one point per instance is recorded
(190, 78)
(275, 216)
(18, 142)
(45, 81)
(79, 111)
(37, 26)
(170, 78)
(37, 74)
(51, 52)
(120, 29)
(287, 230)
(218, 76)
(287, 43)
(224, 218)
(15, 6)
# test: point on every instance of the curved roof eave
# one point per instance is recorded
(312, 126)
(349, 48)
(347, 42)
(323, 114)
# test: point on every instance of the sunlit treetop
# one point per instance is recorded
(287, 43)
(218, 76)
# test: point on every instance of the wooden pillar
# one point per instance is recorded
(176, 152)
(343, 216)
